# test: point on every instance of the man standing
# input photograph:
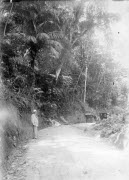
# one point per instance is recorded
(34, 120)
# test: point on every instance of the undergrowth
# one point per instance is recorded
(113, 124)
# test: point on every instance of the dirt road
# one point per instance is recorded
(67, 153)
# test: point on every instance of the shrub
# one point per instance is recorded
(113, 124)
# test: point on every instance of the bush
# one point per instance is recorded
(13, 131)
(16, 128)
(113, 124)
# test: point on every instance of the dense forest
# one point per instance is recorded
(58, 54)
(47, 49)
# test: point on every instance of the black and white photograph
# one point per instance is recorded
(64, 90)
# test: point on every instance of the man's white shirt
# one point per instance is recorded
(34, 120)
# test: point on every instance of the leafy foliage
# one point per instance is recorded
(45, 50)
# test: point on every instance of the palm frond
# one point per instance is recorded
(42, 36)
(57, 45)
(67, 80)
(54, 53)
(16, 36)
(31, 39)
(56, 35)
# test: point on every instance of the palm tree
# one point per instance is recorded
(27, 33)
(45, 37)
(69, 34)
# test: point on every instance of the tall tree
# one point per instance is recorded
(27, 33)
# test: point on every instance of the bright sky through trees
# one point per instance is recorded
(120, 31)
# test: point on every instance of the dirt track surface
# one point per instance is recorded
(67, 153)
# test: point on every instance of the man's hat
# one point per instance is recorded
(34, 110)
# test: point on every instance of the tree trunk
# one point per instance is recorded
(33, 55)
(85, 83)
